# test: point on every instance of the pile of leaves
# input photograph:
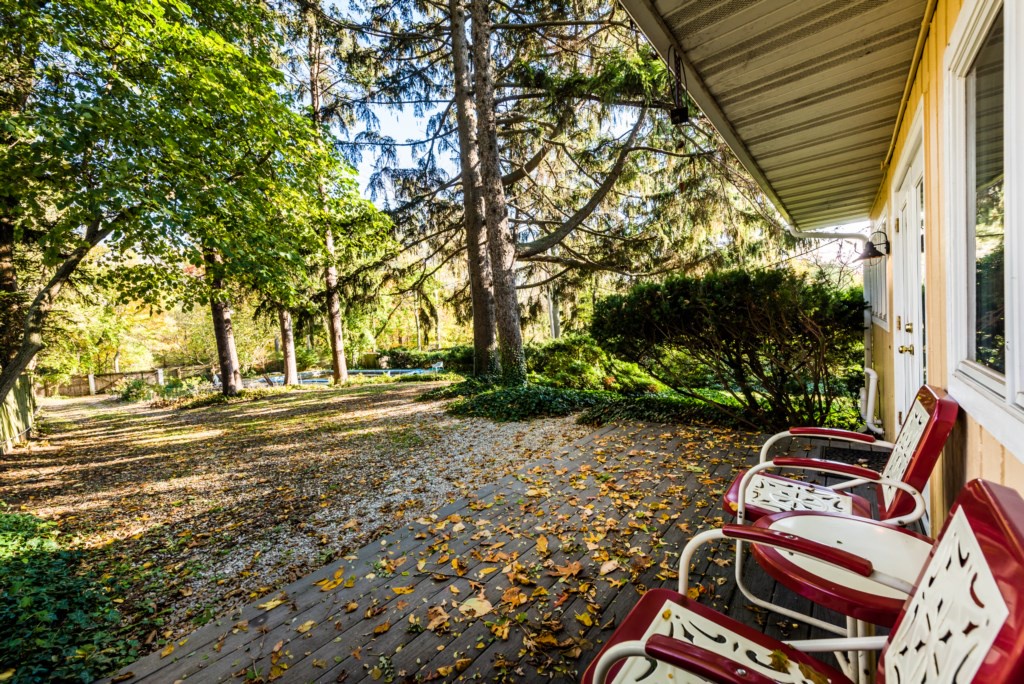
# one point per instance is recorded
(526, 402)
(59, 621)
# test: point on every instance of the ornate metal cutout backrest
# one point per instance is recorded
(907, 444)
(954, 616)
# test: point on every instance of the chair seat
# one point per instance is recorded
(892, 550)
(767, 494)
(666, 612)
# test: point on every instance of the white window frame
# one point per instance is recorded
(995, 402)
(876, 278)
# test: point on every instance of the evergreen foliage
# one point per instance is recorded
(782, 346)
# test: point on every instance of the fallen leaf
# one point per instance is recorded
(436, 617)
(168, 650)
(404, 590)
(608, 567)
(273, 603)
(542, 545)
(306, 626)
(380, 629)
(475, 607)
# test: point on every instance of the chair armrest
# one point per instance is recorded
(682, 654)
(832, 433)
(791, 542)
(829, 433)
(701, 662)
(835, 467)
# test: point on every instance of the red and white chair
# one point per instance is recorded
(963, 621)
(756, 493)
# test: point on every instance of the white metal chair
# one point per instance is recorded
(963, 621)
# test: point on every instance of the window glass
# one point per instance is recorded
(986, 151)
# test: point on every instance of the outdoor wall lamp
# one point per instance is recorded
(680, 112)
(872, 250)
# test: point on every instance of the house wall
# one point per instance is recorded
(972, 451)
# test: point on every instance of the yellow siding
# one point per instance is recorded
(985, 457)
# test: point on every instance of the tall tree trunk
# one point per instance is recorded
(334, 324)
(485, 352)
(223, 330)
(554, 315)
(291, 372)
(30, 337)
(12, 309)
(500, 241)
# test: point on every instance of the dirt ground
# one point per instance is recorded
(200, 511)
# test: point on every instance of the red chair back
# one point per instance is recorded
(965, 621)
(918, 446)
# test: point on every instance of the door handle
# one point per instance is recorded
(903, 349)
(909, 327)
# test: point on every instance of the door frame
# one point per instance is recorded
(906, 238)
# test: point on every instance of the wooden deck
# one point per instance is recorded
(553, 557)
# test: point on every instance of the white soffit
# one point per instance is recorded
(805, 92)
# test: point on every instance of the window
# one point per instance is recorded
(983, 149)
(986, 208)
(876, 287)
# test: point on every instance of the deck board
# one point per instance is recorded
(634, 492)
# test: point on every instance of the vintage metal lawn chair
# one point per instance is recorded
(913, 455)
(756, 493)
(963, 621)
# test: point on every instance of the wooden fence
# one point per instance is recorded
(17, 414)
(102, 383)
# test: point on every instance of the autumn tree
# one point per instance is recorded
(149, 127)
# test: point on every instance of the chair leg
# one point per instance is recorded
(768, 605)
(867, 658)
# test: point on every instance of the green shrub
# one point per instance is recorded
(526, 402)
(431, 377)
(59, 623)
(466, 388)
(217, 398)
(134, 390)
(306, 358)
(577, 362)
(785, 343)
(458, 359)
(667, 407)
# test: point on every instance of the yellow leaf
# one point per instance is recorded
(779, 661)
(351, 607)
(350, 582)
(7, 674)
(486, 571)
(168, 650)
(585, 619)
(542, 544)
(404, 590)
(475, 607)
(306, 626)
(380, 629)
(272, 604)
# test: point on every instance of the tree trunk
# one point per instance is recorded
(500, 240)
(30, 340)
(223, 330)
(12, 310)
(554, 314)
(485, 353)
(334, 324)
(291, 372)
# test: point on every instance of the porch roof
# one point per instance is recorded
(807, 94)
